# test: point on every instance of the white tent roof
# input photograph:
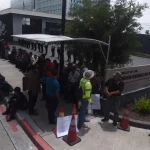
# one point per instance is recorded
(53, 38)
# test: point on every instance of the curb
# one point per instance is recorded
(39, 142)
(135, 123)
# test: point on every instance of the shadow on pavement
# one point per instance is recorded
(107, 127)
(82, 132)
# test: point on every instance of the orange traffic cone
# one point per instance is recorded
(74, 110)
(124, 123)
(72, 138)
(61, 114)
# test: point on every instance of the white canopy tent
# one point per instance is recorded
(53, 38)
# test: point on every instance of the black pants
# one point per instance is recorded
(46, 49)
(52, 103)
(32, 102)
(53, 53)
(112, 103)
(44, 91)
(11, 110)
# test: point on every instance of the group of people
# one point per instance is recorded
(74, 82)
(40, 46)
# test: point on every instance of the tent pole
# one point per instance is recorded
(107, 58)
(62, 33)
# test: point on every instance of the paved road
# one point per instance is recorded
(136, 61)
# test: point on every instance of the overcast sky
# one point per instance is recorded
(145, 20)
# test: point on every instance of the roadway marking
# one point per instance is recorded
(11, 123)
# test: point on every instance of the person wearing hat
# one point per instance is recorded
(113, 89)
(86, 86)
(17, 101)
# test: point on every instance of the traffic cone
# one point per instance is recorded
(124, 123)
(72, 138)
(61, 114)
(74, 110)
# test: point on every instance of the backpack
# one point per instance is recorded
(80, 92)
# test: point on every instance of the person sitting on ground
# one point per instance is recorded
(17, 101)
(4, 87)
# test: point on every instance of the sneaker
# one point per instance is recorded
(10, 119)
(115, 124)
(84, 126)
(5, 113)
(87, 120)
(104, 120)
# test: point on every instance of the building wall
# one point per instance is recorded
(17, 24)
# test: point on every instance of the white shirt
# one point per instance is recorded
(74, 77)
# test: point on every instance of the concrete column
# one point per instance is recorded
(43, 26)
(17, 25)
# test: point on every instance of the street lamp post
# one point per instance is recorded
(62, 33)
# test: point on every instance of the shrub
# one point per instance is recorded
(142, 105)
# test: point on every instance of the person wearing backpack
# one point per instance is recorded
(86, 88)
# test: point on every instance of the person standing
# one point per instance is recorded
(69, 56)
(53, 51)
(42, 47)
(113, 89)
(39, 47)
(74, 57)
(73, 81)
(34, 88)
(52, 94)
(58, 52)
(46, 48)
(86, 86)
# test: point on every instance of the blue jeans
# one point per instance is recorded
(82, 113)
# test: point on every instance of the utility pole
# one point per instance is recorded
(62, 33)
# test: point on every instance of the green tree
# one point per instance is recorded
(98, 20)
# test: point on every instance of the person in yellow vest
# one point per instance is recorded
(86, 86)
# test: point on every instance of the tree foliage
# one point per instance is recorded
(97, 20)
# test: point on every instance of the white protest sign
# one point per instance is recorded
(63, 125)
(96, 101)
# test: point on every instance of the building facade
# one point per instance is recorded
(47, 6)
(23, 4)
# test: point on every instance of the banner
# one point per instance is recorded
(135, 78)
(63, 124)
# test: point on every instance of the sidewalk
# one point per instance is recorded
(99, 136)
